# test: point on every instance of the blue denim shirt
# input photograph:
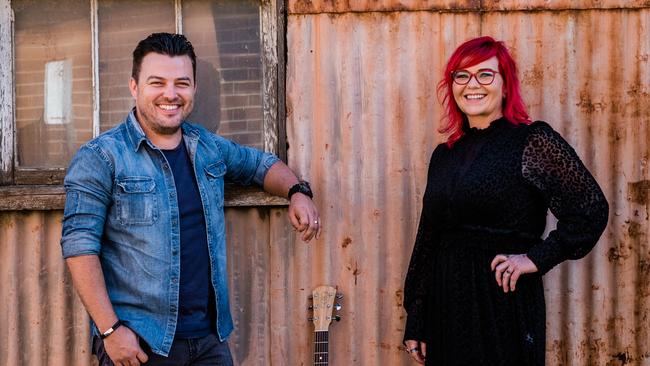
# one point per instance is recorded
(121, 205)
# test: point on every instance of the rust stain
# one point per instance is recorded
(638, 192)
(533, 77)
(635, 230)
(613, 323)
(622, 357)
(638, 90)
(592, 348)
(302, 6)
(558, 349)
(263, 213)
(347, 241)
(643, 280)
(620, 252)
(399, 298)
(587, 105)
(355, 271)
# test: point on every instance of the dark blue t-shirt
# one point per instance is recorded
(196, 314)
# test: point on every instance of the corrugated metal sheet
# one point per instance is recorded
(43, 322)
(362, 115)
(345, 6)
(362, 112)
(588, 74)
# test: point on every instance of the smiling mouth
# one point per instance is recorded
(169, 107)
(474, 96)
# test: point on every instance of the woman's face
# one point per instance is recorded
(480, 103)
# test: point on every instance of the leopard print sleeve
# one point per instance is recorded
(572, 194)
(418, 275)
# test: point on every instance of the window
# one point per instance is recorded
(71, 64)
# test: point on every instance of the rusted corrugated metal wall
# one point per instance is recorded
(362, 115)
(42, 320)
(361, 119)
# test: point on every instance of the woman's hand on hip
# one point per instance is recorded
(417, 350)
(508, 268)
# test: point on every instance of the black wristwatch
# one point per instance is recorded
(302, 187)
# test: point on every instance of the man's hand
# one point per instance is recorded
(123, 348)
(304, 216)
(302, 211)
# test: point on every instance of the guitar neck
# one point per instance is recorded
(321, 348)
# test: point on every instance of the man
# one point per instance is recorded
(143, 228)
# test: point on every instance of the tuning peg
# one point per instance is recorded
(337, 318)
(310, 319)
(310, 297)
(339, 296)
(338, 307)
(310, 307)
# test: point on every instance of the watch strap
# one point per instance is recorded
(302, 187)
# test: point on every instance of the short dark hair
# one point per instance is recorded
(165, 44)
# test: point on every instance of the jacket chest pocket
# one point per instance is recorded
(136, 201)
(214, 173)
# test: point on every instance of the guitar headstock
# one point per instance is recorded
(323, 298)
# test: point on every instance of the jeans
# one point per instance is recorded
(205, 351)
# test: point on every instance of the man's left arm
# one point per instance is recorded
(302, 211)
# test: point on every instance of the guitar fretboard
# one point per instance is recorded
(321, 341)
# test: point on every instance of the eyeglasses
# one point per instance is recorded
(483, 76)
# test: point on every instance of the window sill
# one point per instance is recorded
(52, 197)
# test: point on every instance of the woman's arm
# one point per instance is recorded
(551, 165)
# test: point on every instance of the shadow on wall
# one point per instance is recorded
(207, 101)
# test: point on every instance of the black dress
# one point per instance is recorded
(489, 195)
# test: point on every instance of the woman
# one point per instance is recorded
(473, 291)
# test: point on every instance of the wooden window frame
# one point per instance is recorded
(41, 189)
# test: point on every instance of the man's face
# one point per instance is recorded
(163, 93)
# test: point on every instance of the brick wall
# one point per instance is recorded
(226, 36)
(49, 32)
(121, 26)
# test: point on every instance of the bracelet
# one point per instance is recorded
(111, 329)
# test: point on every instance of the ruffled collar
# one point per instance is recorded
(496, 124)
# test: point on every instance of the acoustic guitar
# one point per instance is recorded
(323, 298)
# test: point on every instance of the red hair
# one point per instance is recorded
(471, 53)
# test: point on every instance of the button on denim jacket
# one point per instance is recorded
(121, 205)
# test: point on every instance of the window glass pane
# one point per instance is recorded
(226, 38)
(53, 80)
(122, 24)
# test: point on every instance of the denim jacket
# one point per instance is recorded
(121, 205)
